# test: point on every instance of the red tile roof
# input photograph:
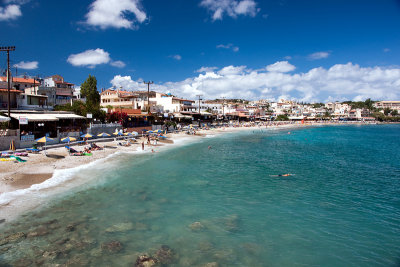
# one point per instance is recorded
(20, 80)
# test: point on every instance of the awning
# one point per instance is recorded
(68, 116)
(3, 119)
(34, 117)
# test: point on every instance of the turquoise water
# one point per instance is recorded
(221, 205)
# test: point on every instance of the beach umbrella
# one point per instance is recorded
(103, 135)
(44, 140)
(135, 133)
(68, 139)
(118, 133)
(87, 136)
(150, 132)
(159, 131)
(128, 134)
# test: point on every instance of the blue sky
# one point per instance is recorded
(323, 50)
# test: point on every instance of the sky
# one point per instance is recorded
(309, 50)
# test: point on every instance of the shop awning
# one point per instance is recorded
(34, 117)
(68, 116)
(3, 119)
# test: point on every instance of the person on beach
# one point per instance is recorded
(143, 145)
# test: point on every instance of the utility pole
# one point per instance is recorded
(199, 96)
(223, 107)
(8, 49)
(148, 95)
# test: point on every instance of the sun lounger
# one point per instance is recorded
(32, 150)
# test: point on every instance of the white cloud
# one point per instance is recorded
(29, 65)
(386, 50)
(318, 55)
(90, 58)
(118, 64)
(10, 12)
(206, 69)
(113, 13)
(176, 57)
(340, 82)
(228, 46)
(232, 8)
(281, 66)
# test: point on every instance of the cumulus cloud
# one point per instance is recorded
(281, 66)
(206, 69)
(10, 12)
(176, 57)
(339, 82)
(114, 14)
(29, 65)
(318, 55)
(93, 57)
(89, 58)
(228, 46)
(118, 64)
(232, 8)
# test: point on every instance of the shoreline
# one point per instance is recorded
(42, 177)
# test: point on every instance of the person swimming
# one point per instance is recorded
(282, 175)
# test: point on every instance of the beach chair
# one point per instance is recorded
(32, 150)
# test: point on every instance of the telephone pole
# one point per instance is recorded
(148, 95)
(223, 107)
(199, 96)
(8, 49)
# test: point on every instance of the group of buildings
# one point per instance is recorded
(31, 102)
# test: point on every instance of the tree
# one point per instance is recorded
(89, 91)
(394, 112)
(386, 111)
(282, 117)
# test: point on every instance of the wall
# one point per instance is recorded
(5, 140)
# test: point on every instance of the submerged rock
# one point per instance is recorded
(12, 238)
(40, 231)
(145, 261)
(22, 263)
(205, 246)
(165, 255)
(120, 227)
(232, 223)
(211, 264)
(196, 226)
(113, 246)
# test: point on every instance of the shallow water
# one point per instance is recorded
(341, 208)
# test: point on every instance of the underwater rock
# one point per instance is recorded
(113, 246)
(141, 226)
(62, 241)
(2, 220)
(232, 223)
(145, 261)
(22, 263)
(51, 255)
(211, 264)
(40, 231)
(12, 238)
(51, 222)
(205, 246)
(165, 255)
(196, 226)
(70, 228)
(120, 227)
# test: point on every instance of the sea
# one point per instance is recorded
(219, 201)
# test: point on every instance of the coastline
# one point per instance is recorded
(26, 186)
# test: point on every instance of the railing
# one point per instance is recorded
(27, 138)
(101, 125)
